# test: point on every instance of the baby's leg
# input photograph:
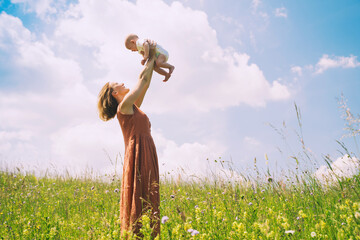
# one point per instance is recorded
(161, 62)
(162, 72)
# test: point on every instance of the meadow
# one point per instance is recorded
(69, 208)
(296, 205)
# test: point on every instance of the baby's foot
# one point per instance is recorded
(167, 77)
(171, 69)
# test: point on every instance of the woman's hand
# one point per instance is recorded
(152, 43)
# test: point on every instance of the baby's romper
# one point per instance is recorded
(158, 49)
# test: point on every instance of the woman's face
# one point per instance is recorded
(119, 88)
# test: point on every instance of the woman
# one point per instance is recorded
(140, 180)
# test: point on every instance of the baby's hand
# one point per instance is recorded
(143, 61)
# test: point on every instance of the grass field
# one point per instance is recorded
(68, 208)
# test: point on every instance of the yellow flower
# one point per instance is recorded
(340, 234)
(25, 232)
(356, 206)
(187, 226)
(321, 225)
(53, 231)
(264, 228)
(285, 225)
(176, 230)
(302, 214)
(342, 207)
(270, 235)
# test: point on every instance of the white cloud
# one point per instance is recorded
(251, 141)
(297, 70)
(327, 62)
(188, 158)
(49, 108)
(18, 135)
(12, 32)
(255, 4)
(345, 166)
(281, 12)
(203, 68)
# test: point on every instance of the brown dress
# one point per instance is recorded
(140, 180)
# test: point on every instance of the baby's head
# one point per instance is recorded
(130, 42)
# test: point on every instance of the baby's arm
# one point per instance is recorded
(147, 45)
(146, 50)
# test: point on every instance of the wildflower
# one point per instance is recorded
(263, 190)
(172, 196)
(357, 215)
(290, 231)
(164, 219)
(116, 190)
(106, 191)
(313, 234)
(250, 203)
(193, 232)
(92, 188)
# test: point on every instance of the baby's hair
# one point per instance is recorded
(129, 38)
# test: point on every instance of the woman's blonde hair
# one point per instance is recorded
(107, 104)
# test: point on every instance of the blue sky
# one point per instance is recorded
(240, 65)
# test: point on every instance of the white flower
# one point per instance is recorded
(290, 231)
(357, 215)
(313, 234)
(164, 219)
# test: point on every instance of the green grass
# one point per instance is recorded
(68, 208)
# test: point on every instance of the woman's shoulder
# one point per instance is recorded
(121, 111)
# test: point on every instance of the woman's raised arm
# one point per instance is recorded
(136, 95)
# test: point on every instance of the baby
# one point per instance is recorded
(142, 46)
